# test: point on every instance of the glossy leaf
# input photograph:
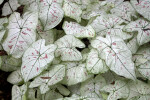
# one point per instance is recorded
(116, 54)
(21, 33)
(36, 58)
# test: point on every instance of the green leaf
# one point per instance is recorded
(116, 54)
(21, 33)
(36, 58)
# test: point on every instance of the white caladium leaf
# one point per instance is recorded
(63, 90)
(117, 90)
(124, 10)
(10, 63)
(75, 89)
(1, 1)
(92, 86)
(75, 73)
(133, 45)
(77, 30)
(48, 35)
(114, 2)
(33, 94)
(142, 7)
(116, 54)
(144, 97)
(138, 89)
(109, 24)
(49, 78)
(142, 27)
(50, 13)
(36, 58)
(9, 7)
(94, 63)
(72, 10)
(67, 48)
(21, 33)
(18, 93)
(15, 77)
(52, 95)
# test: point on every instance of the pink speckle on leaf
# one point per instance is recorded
(37, 69)
(21, 42)
(24, 33)
(10, 46)
(114, 43)
(24, 66)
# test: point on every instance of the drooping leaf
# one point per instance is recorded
(124, 10)
(21, 33)
(109, 24)
(78, 31)
(2, 22)
(18, 93)
(67, 48)
(94, 63)
(75, 73)
(63, 90)
(36, 58)
(117, 90)
(142, 7)
(15, 77)
(50, 13)
(116, 54)
(33, 94)
(49, 78)
(9, 7)
(138, 89)
(1, 1)
(72, 10)
(142, 27)
(92, 86)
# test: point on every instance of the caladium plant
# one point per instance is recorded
(76, 49)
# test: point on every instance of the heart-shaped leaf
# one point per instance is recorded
(116, 54)
(77, 30)
(36, 58)
(117, 90)
(94, 63)
(50, 13)
(72, 10)
(49, 78)
(142, 27)
(75, 73)
(142, 7)
(21, 33)
(109, 24)
(67, 48)
(18, 93)
(92, 86)
(124, 10)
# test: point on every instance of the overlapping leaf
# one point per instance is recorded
(78, 31)
(67, 48)
(109, 24)
(36, 58)
(116, 54)
(21, 33)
